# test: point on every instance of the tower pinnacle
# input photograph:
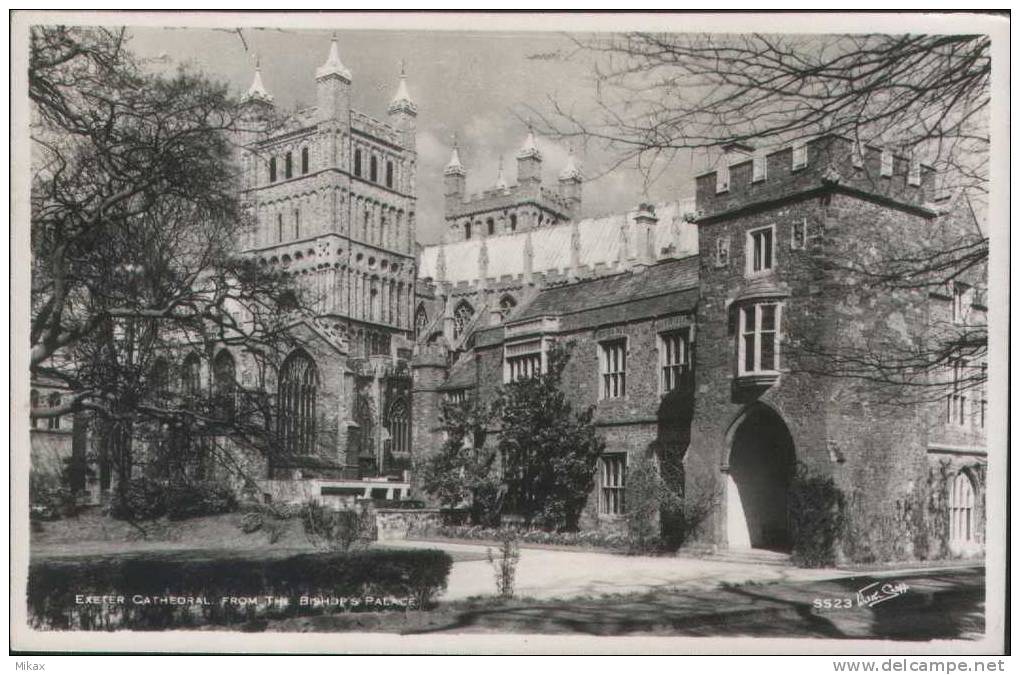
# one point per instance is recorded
(402, 100)
(333, 65)
(530, 147)
(500, 179)
(454, 167)
(257, 90)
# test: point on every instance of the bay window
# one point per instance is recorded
(759, 338)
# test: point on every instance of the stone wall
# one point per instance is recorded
(399, 523)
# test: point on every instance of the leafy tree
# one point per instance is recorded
(464, 470)
(549, 451)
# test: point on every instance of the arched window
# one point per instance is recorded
(288, 165)
(357, 162)
(373, 169)
(421, 320)
(224, 381)
(191, 376)
(304, 160)
(54, 400)
(389, 174)
(297, 223)
(467, 230)
(513, 223)
(34, 403)
(400, 428)
(272, 169)
(462, 317)
(491, 225)
(961, 510)
(279, 227)
(506, 305)
(298, 389)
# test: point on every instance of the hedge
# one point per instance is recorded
(405, 579)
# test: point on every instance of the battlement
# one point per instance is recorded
(823, 162)
(374, 128)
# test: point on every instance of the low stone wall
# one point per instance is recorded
(397, 523)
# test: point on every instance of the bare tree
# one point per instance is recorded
(137, 228)
(661, 97)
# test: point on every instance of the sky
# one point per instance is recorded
(478, 85)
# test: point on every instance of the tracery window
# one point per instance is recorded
(462, 317)
(961, 510)
(298, 391)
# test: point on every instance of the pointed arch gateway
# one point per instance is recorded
(760, 471)
(298, 393)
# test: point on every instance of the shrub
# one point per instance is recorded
(505, 564)
(336, 530)
(139, 499)
(817, 509)
(48, 500)
(414, 576)
(252, 522)
(207, 498)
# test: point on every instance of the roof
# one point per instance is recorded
(666, 287)
(600, 238)
(462, 374)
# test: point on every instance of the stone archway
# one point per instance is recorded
(761, 468)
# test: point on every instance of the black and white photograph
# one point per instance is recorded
(555, 333)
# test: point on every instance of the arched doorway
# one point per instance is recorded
(757, 492)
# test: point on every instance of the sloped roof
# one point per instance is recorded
(637, 289)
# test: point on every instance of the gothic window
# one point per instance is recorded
(462, 317)
(272, 169)
(389, 174)
(506, 305)
(298, 389)
(297, 223)
(513, 223)
(491, 226)
(357, 162)
(34, 403)
(613, 364)
(191, 375)
(421, 320)
(288, 165)
(279, 227)
(54, 401)
(304, 160)
(224, 380)
(758, 350)
(400, 428)
(961, 510)
(613, 472)
(373, 169)
(467, 230)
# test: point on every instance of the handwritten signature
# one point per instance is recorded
(879, 592)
